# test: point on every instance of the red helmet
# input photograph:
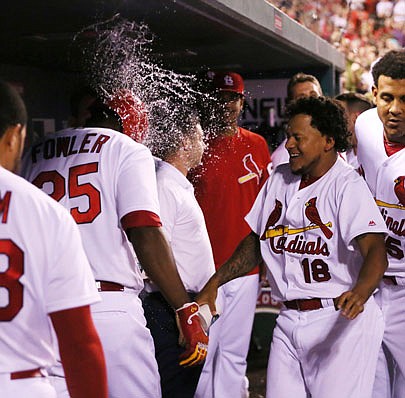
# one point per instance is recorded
(132, 112)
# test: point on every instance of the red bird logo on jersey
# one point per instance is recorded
(253, 170)
(313, 215)
(399, 189)
(273, 218)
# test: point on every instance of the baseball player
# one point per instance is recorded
(322, 238)
(354, 104)
(180, 146)
(108, 183)
(43, 272)
(300, 85)
(380, 150)
(233, 169)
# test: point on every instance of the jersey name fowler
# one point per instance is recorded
(279, 235)
(65, 146)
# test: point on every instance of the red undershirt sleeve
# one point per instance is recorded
(81, 352)
(140, 218)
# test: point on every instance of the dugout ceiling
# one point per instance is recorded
(248, 36)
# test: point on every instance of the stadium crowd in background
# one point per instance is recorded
(362, 29)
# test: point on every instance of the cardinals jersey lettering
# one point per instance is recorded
(308, 235)
(385, 175)
(100, 176)
(43, 269)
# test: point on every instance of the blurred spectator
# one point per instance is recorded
(363, 31)
(384, 8)
(398, 12)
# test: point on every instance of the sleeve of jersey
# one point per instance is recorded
(357, 211)
(136, 194)
(255, 216)
(70, 281)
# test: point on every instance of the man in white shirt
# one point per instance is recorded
(180, 146)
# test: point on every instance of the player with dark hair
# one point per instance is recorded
(381, 153)
(327, 116)
(108, 183)
(354, 104)
(391, 65)
(325, 256)
(44, 274)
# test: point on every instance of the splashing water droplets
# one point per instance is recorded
(120, 58)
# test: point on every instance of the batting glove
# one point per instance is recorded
(192, 335)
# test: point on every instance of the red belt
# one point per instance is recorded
(304, 304)
(104, 286)
(26, 374)
(390, 280)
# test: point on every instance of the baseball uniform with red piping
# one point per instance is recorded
(383, 165)
(107, 182)
(310, 251)
(43, 269)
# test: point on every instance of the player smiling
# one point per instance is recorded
(328, 315)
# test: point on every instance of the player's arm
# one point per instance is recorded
(245, 257)
(372, 248)
(155, 255)
(81, 353)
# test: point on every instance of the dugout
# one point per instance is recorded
(250, 37)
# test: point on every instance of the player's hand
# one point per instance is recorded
(208, 295)
(350, 304)
(192, 336)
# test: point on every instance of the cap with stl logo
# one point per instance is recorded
(228, 81)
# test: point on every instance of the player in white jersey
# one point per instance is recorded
(380, 150)
(322, 238)
(44, 275)
(178, 141)
(108, 183)
(354, 104)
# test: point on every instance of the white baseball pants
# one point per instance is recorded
(391, 300)
(224, 371)
(321, 354)
(33, 387)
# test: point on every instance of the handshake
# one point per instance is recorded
(193, 322)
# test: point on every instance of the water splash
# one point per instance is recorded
(118, 55)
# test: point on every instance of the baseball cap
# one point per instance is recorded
(132, 112)
(228, 81)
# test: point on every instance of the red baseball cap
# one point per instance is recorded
(228, 81)
(132, 112)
